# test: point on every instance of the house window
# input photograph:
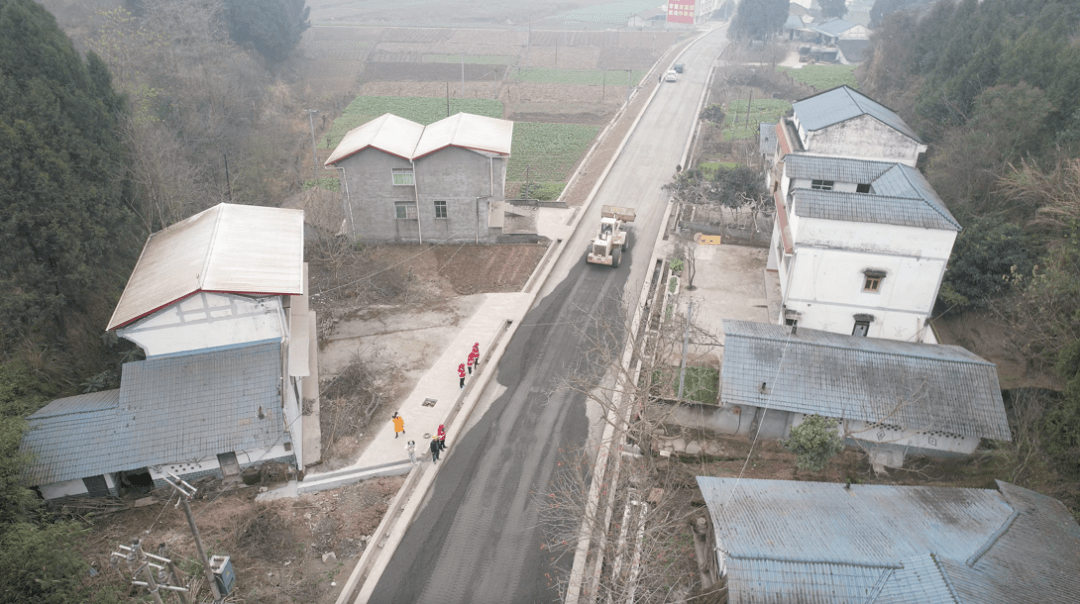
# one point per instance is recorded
(862, 325)
(440, 209)
(862, 188)
(405, 210)
(403, 176)
(872, 281)
(821, 185)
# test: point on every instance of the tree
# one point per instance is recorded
(814, 442)
(66, 235)
(833, 8)
(990, 255)
(272, 27)
(884, 8)
(758, 19)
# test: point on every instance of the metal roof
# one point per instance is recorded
(167, 410)
(410, 140)
(839, 169)
(868, 207)
(833, 27)
(227, 248)
(843, 103)
(468, 131)
(388, 132)
(791, 541)
(917, 386)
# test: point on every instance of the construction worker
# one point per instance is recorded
(461, 374)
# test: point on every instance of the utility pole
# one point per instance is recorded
(462, 75)
(134, 555)
(629, 85)
(448, 99)
(186, 492)
(314, 153)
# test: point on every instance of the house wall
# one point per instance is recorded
(823, 281)
(208, 320)
(467, 180)
(862, 137)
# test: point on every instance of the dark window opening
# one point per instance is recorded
(861, 328)
(862, 188)
(822, 185)
(872, 281)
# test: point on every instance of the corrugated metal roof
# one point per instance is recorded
(917, 386)
(790, 541)
(843, 103)
(407, 139)
(388, 132)
(839, 169)
(227, 248)
(476, 132)
(867, 207)
(169, 409)
(82, 403)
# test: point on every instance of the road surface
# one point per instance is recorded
(477, 539)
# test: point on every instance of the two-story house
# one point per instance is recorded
(860, 247)
(404, 182)
(218, 303)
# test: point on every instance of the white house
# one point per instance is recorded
(218, 303)
(843, 122)
(860, 247)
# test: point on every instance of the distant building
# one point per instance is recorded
(790, 541)
(402, 182)
(218, 302)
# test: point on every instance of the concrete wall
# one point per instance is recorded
(862, 137)
(823, 280)
(468, 181)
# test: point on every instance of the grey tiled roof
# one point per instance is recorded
(854, 50)
(843, 103)
(867, 207)
(767, 139)
(833, 27)
(792, 541)
(839, 169)
(168, 409)
(916, 386)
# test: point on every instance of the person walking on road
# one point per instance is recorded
(399, 424)
(411, 448)
(476, 355)
(461, 374)
(442, 437)
(472, 361)
(435, 450)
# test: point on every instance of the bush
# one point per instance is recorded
(814, 442)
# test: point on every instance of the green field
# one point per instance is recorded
(823, 77)
(736, 127)
(423, 110)
(591, 77)
(702, 384)
(471, 59)
(548, 150)
(709, 168)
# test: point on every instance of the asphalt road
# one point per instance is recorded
(477, 539)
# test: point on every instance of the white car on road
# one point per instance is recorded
(671, 76)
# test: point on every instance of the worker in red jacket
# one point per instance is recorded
(461, 374)
(476, 355)
(472, 361)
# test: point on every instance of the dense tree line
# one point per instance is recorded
(994, 89)
(758, 19)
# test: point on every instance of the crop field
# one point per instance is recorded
(823, 77)
(549, 151)
(474, 59)
(738, 127)
(592, 77)
(609, 13)
(423, 110)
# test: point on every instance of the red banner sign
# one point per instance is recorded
(680, 11)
